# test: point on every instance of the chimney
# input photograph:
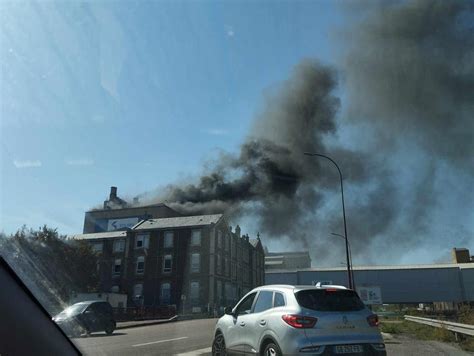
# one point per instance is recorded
(237, 230)
(247, 237)
(113, 193)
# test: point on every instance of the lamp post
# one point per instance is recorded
(350, 259)
(349, 275)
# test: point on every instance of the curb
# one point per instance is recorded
(146, 323)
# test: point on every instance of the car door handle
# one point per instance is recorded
(263, 322)
(242, 323)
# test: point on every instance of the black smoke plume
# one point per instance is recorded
(408, 78)
(410, 74)
(270, 176)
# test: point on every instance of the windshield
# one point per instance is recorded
(329, 300)
(167, 157)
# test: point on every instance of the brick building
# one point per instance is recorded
(194, 262)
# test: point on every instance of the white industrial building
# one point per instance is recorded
(452, 283)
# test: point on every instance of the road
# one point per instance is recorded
(162, 339)
(194, 337)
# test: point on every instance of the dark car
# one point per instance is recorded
(86, 317)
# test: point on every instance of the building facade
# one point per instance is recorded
(287, 260)
(117, 214)
(196, 263)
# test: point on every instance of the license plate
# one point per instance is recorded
(347, 349)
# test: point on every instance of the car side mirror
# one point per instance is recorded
(228, 311)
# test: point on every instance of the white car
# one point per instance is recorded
(299, 320)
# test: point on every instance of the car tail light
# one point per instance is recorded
(299, 321)
(373, 320)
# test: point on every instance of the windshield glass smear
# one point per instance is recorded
(72, 310)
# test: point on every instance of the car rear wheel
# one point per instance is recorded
(110, 328)
(272, 350)
(218, 346)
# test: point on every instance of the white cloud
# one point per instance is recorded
(216, 132)
(27, 164)
(80, 162)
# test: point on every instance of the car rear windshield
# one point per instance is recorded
(329, 300)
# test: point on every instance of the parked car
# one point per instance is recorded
(86, 317)
(299, 320)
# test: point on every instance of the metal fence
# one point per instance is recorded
(144, 313)
(465, 329)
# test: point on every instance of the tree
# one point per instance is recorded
(51, 265)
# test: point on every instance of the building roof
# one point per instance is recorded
(180, 221)
(375, 268)
(282, 254)
(254, 242)
(100, 235)
(131, 208)
(274, 263)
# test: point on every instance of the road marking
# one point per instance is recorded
(196, 352)
(160, 341)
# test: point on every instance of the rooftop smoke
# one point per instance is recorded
(270, 170)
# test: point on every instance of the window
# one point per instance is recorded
(329, 300)
(245, 307)
(194, 291)
(119, 245)
(97, 247)
(196, 238)
(165, 293)
(226, 267)
(234, 270)
(227, 243)
(167, 263)
(114, 289)
(168, 239)
(279, 300)
(137, 290)
(219, 264)
(219, 239)
(228, 292)
(141, 241)
(140, 267)
(264, 301)
(195, 262)
(117, 267)
(218, 291)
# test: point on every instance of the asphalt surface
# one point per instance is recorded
(194, 337)
(163, 339)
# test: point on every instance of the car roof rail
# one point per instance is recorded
(335, 286)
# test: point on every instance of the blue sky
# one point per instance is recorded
(136, 95)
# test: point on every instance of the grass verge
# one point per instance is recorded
(426, 332)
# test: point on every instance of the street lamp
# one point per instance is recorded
(349, 277)
(350, 258)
